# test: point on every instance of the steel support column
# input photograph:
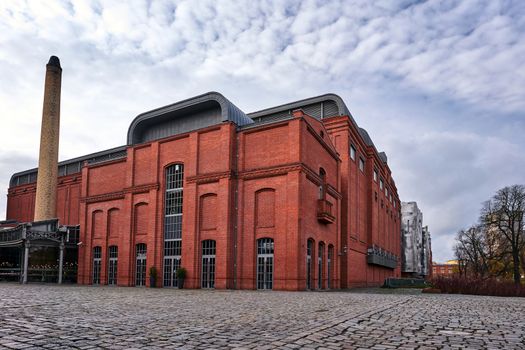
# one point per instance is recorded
(26, 260)
(61, 262)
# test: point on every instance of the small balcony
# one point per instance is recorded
(381, 257)
(324, 211)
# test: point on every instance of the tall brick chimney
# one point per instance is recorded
(46, 185)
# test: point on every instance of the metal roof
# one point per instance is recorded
(198, 112)
(184, 116)
(369, 142)
(70, 166)
(287, 108)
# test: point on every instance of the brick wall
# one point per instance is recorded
(239, 186)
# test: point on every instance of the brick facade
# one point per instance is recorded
(291, 180)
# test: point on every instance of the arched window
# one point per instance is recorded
(140, 265)
(265, 263)
(309, 262)
(320, 274)
(112, 265)
(322, 186)
(329, 263)
(208, 264)
(97, 263)
(173, 223)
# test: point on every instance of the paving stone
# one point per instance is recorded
(86, 317)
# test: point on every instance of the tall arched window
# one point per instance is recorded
(173, 223)
(112, 265)
(309, 262)
(97, 263)
(140, 265)
(320, 274)
(322, 186)
(329, 263)
(265, 263)
(208, 264)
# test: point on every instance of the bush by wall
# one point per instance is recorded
(476, 286)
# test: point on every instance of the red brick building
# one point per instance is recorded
(293, 197)
(449, 268)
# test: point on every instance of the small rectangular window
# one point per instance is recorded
(361, 164)
(352, 152)
(381, 184)
(375, 175)
(386, 192)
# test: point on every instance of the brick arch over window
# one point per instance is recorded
(265, 208)
(97, 227)
(208, 211)
(141, 218)
(113, 222)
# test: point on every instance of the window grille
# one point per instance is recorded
(173, 223)
(112, 265)
(322, 186)
(329, 266)
(265, 248)
(309, 252)
(97, 263)
(320, 266)
(140, 272)
(208, 264)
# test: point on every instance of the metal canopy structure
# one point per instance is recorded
(194, 113)
(46, 233)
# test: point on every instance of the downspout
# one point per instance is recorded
(235, 188)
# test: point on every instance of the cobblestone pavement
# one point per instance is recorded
(85, 317)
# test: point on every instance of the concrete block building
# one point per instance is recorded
(416, 243)
(293, 197)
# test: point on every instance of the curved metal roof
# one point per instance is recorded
(181, 110)
(342, 109)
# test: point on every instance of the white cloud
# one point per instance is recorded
(123, 58)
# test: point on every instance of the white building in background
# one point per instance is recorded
(415, 242)
(426, 263)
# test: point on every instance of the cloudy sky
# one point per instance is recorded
(439, 85)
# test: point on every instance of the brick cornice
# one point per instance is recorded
(314, 178)
(283, 170)
(119, 194)
(271, 171)
(103, 197)
(326, 145)
(142, 188)
(207, 178)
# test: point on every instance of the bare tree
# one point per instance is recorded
(502, 216)
(474, 252)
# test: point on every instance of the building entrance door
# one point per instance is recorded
(112, 265)
(171, 265)
(140, 273)
(265, 263)
(97, 263)
(309, 249)
(208, 264)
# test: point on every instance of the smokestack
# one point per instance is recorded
(46, 185)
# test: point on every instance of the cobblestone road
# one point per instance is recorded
(36, 316)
